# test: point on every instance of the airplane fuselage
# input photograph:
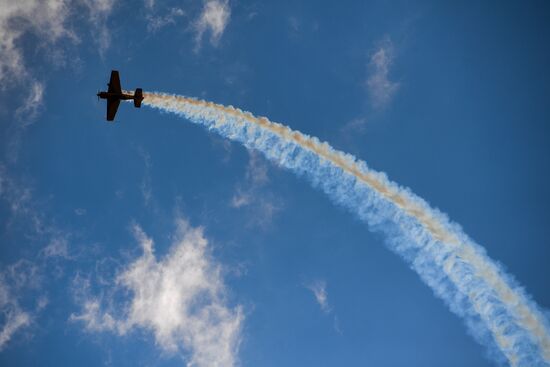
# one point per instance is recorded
(110, 95)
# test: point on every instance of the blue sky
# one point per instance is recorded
(154, 242)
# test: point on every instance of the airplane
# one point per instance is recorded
(114, 95)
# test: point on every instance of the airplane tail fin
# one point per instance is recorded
(138, 97)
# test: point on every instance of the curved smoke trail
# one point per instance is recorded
(496, 310)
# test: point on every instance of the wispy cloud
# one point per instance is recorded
(15, 280)
(46, 21)
(353, 127)
(250, 194)
(29, 214)
(22, 295)
(319, 290)
(27, 211)
(99, 11)
(31, 105)
(18, 198)
(180, 298)
(146, 185)
(380, 88)
(80, 211)
(58, 247)
(294, 24)
(301, 25)
(43, 18)
(22, 292)
(25, 115)
(213, 19)
(156, 22)
(15, 318)
(256, 177)
(49, 22)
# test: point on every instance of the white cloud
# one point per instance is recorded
(241, 199)
(256, 177)
(48, 22)
(14, 281)
(15, 319)
(294, 24)
(381, 89)
(250, 194)
(80, 211)
(146, 184)
(224, 145)
(154, 22)
(179, 298)
(32, 104)
(99, 11)
(319, 290)
(18, 197)
(25, 115)
(58, 247)
(43, 18)
(354, 126)
(27, 214)
(214, 18)
(26, 209)
(22, 295)
(98, 7)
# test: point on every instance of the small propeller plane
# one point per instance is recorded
(114, 95)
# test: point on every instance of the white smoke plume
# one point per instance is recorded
(496, 310)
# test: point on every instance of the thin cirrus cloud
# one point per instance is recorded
(180, 299)
(381, 89)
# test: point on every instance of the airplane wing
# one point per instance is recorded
(112, 107)
(114, 83)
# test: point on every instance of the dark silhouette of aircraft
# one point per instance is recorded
(114, 95)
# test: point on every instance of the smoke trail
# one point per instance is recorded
(496, 310)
